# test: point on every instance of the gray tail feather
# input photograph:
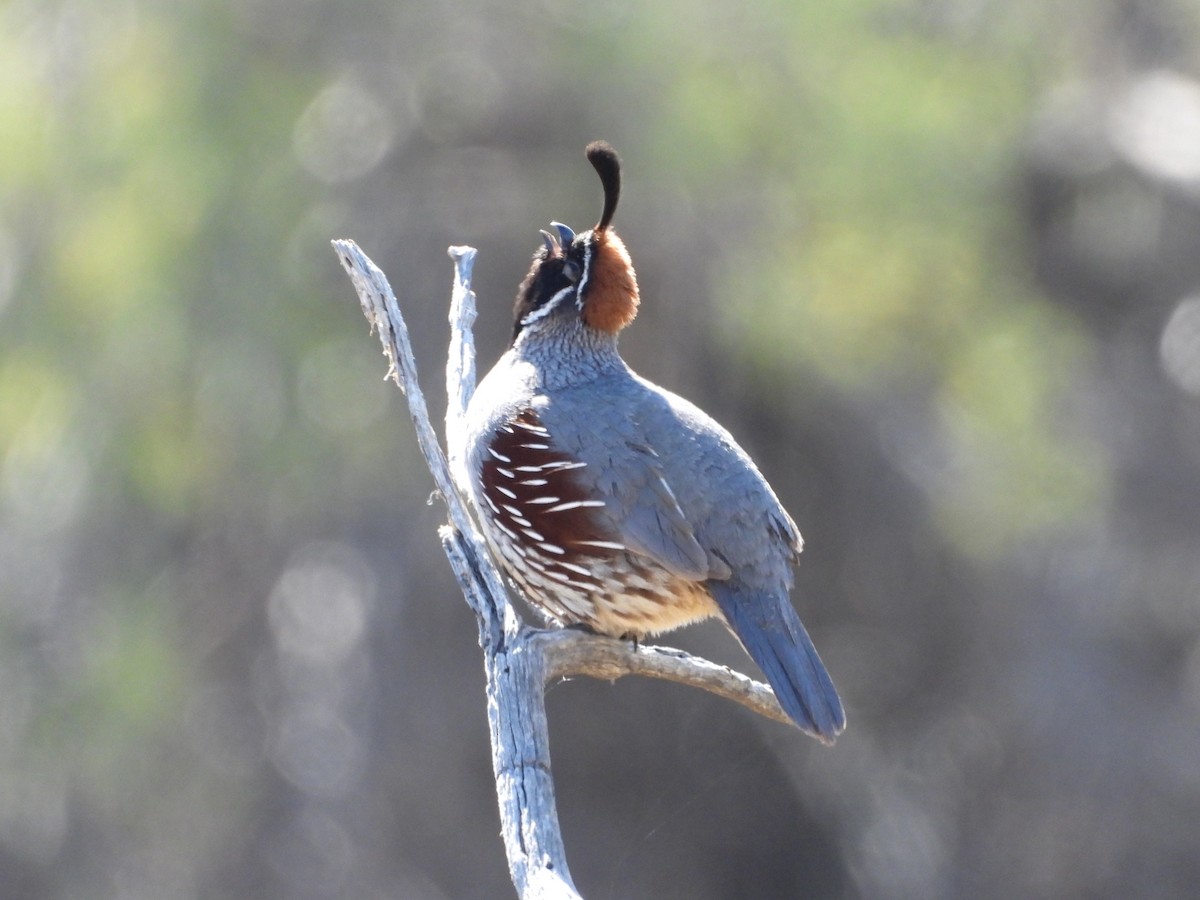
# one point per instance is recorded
(773, 635)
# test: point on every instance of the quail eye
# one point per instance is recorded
(571, 271)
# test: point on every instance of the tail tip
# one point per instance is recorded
(826, 726)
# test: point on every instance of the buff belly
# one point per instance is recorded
(621, 594)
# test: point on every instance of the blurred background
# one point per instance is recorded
(936, 263)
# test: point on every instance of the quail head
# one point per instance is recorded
(615, 504)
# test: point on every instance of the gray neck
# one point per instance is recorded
(566, 352)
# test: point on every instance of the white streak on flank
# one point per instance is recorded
(552, 548)
(579, 570)
(507, 473)
(535, 535)
(603, 545)
(534, 447)
(575, 504)
(492, 503)
(536, 482)
(508, 531)
(532, 468)
(499, 456)
(563, 466)
(535, 429)
(517, 517)
(539, 501)
(506, 492)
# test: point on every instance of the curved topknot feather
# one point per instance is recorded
(607, 164)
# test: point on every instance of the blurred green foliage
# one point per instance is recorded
(187, 396)
(885, 246)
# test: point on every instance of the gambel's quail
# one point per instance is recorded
(615, 504)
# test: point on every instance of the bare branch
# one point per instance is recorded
(460, 362)
(382, 311)
(571, 652)
(516, 682)
(515, 673)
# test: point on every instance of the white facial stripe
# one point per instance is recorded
(587, 271)
(548, 307)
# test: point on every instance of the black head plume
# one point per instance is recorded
(589, 275)
(608, 166)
